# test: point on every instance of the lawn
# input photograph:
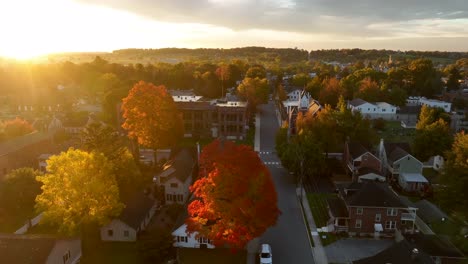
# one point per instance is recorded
(328, 238)
(319, 207)
(394, 132)
(431, 174)
(218, 255)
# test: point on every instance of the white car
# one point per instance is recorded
(265, 254)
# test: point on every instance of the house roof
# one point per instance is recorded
(429, 212)
(337, 207)
(18, 143)
(356, 149)
(180, 166)
(401, 253)
(371, 177)
(357, 102)
(435, 246)
(392, 146)
(384, 104)
(413, 177)
(373, 194)
(21, 249)
(410, 109)
(136, 209)
(314, 107)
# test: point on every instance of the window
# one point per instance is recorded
(383, 110)
(368, 109)
(392, 211)
(169, 197)
(203, 240)
(126, 233)
(182, 239)
(174, 185)
(66, 257)
(359, 210)
(374, 109)
(180, 197)
(390, 225)
(378, 217)
(358, 223)
(110, 232)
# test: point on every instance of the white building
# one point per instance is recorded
(418, 100)
(134, 218)
(294, 95)
(182, 239)
(373, 111)
(176, 177)
(43, 161)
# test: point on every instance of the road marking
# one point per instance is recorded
(271, 163)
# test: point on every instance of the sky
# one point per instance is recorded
(31, 28)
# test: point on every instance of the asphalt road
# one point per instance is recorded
(288, 239)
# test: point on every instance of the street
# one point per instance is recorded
(288, 239)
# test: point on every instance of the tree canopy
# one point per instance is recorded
(19, 189)
(254, 90)
(235, 198)
(78, 189)
(151, 116)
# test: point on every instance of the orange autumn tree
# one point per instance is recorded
(151, 116)
(235, 198)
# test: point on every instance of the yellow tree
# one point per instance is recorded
(78, 190)
(151, 116)
(254, 90)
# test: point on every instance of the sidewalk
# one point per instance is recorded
(318, 251)
(257, 133)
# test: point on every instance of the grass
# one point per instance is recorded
(431, 174)
(203, 256)
(319, 207)
(393, 131)
(114, 252)
(329, 238)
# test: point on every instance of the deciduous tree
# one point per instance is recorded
(433, 139)
(17, 127)
(254, 90)
(19, 189)
(235, 198)
(78, 190)
(151, 116)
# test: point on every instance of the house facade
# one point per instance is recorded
(370, 209)
(357, 157)
(304, 104)
(182, 239)
(20, 249)
(373, 110)
(417, 100)
(176, 177)
(133, 219)
(402, 167)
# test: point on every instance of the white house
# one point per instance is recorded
(373, 111)
(435, 163)
(294, 95)
(20, 249)
(176, 177)
(134, 218)
(182, 239)
(419, 100)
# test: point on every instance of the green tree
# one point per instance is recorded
(424, 79)
(300, 79)
(369, 90)
(155, 246)
(256, 72)
(453, 74)
(429, 115)
(18, 190)
(79, 189)
(433, 139)
(254, 90)
(453, 194)
(397, 96)
(104, 139)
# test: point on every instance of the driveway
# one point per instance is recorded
(347, 250)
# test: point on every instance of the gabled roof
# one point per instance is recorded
(337, 207)
(21, 249)
(372, 194)
(18, 143)
(357, 102)
(314, 107)
(399, 253)
(181, 166)
(396, 151)
(435, 246)
(356, 149)
(136, 209)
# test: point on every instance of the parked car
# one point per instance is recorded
(265, 254)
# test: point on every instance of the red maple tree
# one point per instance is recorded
(235, 198)
(151, 116)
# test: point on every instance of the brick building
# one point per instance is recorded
(370, 208)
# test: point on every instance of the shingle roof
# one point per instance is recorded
(337, 207)
(136, 209)
(396, 151)
(374, 194)
(19, 249)
(357, 102)
(180, 166)
(356, 149)
(401, 253)
(18, 143)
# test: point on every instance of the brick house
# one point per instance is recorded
(357, 157)
(369, 208)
